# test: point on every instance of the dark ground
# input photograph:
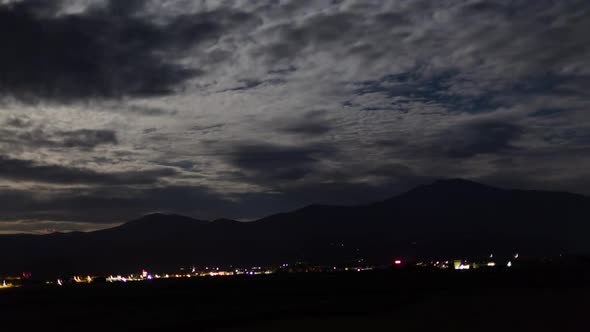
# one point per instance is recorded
(402, 300)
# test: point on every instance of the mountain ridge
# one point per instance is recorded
(444, 219)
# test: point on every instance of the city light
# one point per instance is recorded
(358, 265)
(6, 285)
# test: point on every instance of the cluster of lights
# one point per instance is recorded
(466, 265)
(436, 264)
(257, 270)
(132, 277)
(5, 285)
(79, 280)
(208, 272)
(463, 267)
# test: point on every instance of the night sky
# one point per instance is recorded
(238, 109)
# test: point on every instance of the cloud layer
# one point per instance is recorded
(112, 109)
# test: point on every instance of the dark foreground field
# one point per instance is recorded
(405, 300)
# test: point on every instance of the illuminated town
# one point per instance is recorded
(210, 272)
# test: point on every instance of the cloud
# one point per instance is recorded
(485, 137)
(271, 162)
(416, 87)
(252, 107)
(38, 137)
(108, 51)
(86, 138)
(18, 122)
(312, 123)
(26, 170)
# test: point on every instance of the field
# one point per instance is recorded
(400, 300)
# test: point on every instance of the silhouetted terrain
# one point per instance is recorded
(449, 218)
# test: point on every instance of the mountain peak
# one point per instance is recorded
(443, 191)
(453, 185)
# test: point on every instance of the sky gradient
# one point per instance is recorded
(238, 109)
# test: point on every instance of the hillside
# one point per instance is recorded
(447, 218)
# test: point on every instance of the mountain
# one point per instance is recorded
(448, 218)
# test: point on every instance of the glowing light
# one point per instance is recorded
(398, 262)
(516, 256)
(491, 264)
(4, 283)
(509, 264)
(59, 282)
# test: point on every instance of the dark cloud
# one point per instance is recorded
(311, 128)
(416, 86)
(85, 138)
(319, 31)
(249, 84)
(149, 111)
(283, 71)
(27, 170)
(267, 162)
(104, 52)
(208, 128)
(311, 123)
(300, 176)
(479, 138)
(18, 121)
(548, 112)
(449, 147)
(38, 137)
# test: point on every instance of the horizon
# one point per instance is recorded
(169, 214)
(111, 109)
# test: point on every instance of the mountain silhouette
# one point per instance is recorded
(445, 219)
